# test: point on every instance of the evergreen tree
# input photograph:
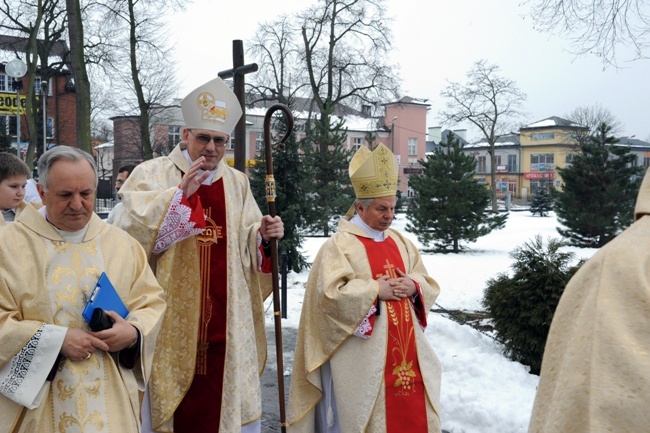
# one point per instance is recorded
(449, 205)
(542, 203)
(291, 202)
(330, 192)
(599, 191)
(522, 306)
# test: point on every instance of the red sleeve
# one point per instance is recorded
(264, 255)
(418, 306)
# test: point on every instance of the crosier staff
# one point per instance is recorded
(270, 200)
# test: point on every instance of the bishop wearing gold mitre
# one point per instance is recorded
(362, 361)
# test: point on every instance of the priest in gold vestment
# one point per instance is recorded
(206, 237)
(362, 362)
(56, 376)
(595, 373)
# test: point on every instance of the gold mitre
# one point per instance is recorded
(212, 106)
(374, 174)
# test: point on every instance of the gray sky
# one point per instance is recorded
(436, 41)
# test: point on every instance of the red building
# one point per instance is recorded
(60, 97)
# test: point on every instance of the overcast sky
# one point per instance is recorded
(436, 41)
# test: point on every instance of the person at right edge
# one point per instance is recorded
(362, 362)
(596, 368)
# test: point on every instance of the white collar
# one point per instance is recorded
(378, 236)
(72, 237)
(208, 181)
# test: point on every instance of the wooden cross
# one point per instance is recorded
(239, 69)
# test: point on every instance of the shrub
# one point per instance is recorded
(522, 306)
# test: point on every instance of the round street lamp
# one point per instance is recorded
(16, 68)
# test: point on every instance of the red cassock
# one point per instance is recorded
(405, 392)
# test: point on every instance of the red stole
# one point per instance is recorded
(405, 393)
(200, 409)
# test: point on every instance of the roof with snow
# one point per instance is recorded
(303, 108)
(511, 139)
(553, 122)
(409, 100)
(633, 142)
(10, 46)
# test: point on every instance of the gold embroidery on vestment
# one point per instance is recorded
(210, 236)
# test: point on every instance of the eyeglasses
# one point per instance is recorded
(204, 139)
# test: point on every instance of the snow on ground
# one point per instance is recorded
(482, 390)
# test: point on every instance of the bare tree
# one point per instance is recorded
(488, 101)
(593, 116)
(597, 27)
(346, 44)
(142, 45)
(281, 74)
(80, 74)
(42, 24)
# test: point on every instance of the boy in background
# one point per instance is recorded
(13, 178)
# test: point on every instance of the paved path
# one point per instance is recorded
(270, 401)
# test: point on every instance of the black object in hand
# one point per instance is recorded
(100, 320)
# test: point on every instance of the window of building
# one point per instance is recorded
(173, 136)
(504, 185)
(231, 143)
(357, 143)
(413, 146)
(540, 185)
(50, 128)
(512, 163)
(646, 162)
(6, 83)
(497, 160)
(543, 136)
(37, 87)
(259, 143)
(8, 125)
(542, 162)
(569, 159)
(481, 164)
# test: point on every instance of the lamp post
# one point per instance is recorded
(18, 123)
(44, 98)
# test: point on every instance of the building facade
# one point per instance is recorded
(60, 100)
(401, 127)
(528, 161)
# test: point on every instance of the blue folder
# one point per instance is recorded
(104, 296)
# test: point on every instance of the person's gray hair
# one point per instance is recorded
(47, 160)
(364, 202)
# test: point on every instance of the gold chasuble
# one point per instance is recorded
(373, 378)
(404, 386)
(180, 269)
(595, 374)
(45, 281)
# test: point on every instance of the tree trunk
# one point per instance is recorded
(31, 56)
(493, 188)
(145, 138)
(78, 66)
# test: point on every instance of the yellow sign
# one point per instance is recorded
(231, 162)
(8, 103)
